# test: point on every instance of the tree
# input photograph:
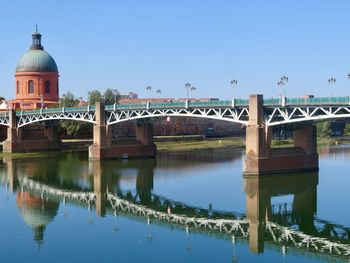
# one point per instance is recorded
(74, 129)
(324, 129)
(347, 130)
(2, 98)
(111, 96)
(94, 96)
(68, 100)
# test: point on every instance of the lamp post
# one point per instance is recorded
(193, 88)
(149, 88)
(331, 82)
(187, 86)
(41, 101)
(282, 83)
(233, 84)
(115, 96)
(158, 91)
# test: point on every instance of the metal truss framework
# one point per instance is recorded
(273, 114)
(233, 227)
(288, 115)
(236, 115)
(85, 116)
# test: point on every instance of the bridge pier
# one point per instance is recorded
(262, 159)
(15, 142)
(104, 148)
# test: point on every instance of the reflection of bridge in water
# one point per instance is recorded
(293, 226)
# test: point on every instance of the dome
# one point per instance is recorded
(36, 60)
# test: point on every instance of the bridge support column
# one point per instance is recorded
(15, 143)
(104, 148)
(262, 159)
(12, 133)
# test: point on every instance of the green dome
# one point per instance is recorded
(36, 60)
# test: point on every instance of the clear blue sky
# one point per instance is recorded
(129, 44)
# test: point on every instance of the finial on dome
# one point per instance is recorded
(36, 44)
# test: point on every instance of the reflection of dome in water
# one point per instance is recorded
(36, 212)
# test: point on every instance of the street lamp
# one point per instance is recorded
(187, 86)
(41, 101)
(149, 88)
(115, 96)
(158, 91)
(332, 81)
(283, 81)
(193, 88)
(233, 84)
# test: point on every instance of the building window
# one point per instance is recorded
(18, 87)
(30, 87)
(47, 87)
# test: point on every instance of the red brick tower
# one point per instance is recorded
(36, 78)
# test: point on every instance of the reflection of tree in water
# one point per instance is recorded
(199, 157)
(36, 212)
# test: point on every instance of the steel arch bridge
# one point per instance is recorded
(276, 111)
(276, 233)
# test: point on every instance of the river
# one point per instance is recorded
(180, 207)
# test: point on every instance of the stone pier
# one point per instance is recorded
(262, 159)
(103, 147)
(15, 143)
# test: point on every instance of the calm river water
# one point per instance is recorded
(179, 207)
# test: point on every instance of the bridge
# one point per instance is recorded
(223, 224)
(257, 114)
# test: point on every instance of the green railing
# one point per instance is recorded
(318, 101)
(195, 104)
(272, 102)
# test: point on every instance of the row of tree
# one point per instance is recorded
(324, 129)
(78, 129)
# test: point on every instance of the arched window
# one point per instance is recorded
(47, 87)
(30, 87)
(18, 87)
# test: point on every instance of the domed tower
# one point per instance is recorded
(36, 78)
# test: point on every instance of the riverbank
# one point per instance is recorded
(178, 145)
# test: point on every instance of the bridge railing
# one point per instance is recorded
(322, 101)
(319, 101)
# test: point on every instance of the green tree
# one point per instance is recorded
(324, 129)
(94, 96)
(2, 98)
(111, 96)
(347, 129)
(68, 100)
(73, 129)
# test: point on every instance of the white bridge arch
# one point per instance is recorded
(276, 111)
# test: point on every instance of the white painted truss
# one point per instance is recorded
(4, 120)
(284, 115)
(233, 227)
(236, 115)
(273, 114)
(85, 116)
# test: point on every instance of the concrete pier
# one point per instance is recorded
(103, 148)
(262, 159)
(15, 142)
